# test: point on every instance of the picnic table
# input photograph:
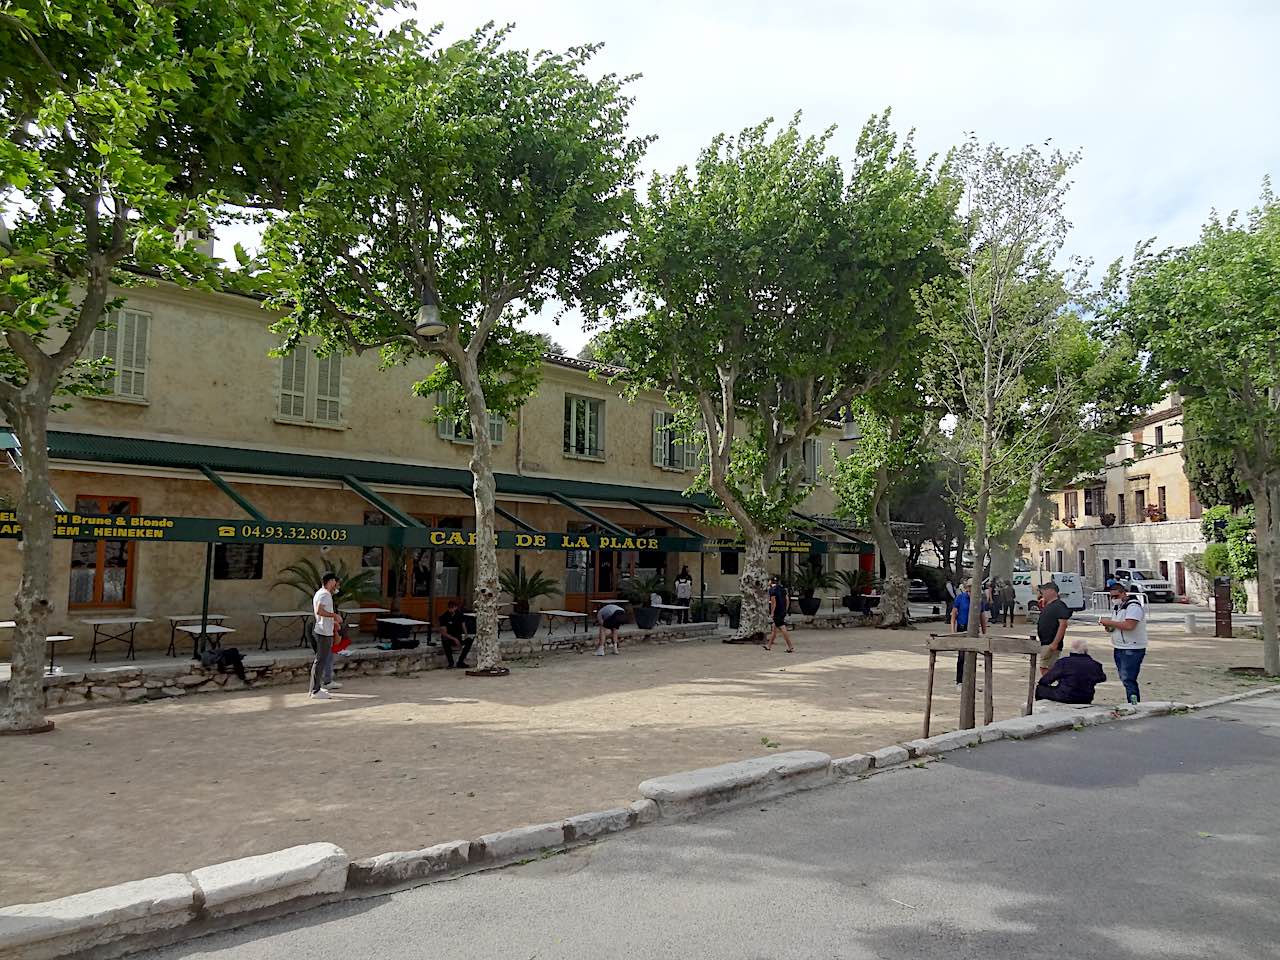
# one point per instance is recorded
(205, 631)
(573, 616)
(270, 616)
(187, 618)
(126, 627)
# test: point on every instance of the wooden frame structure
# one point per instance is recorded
(970, 647)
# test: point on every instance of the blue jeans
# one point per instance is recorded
(1128, 663)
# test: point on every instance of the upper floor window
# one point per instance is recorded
(583, 426)
(669, 452)
(1159, 436)
(310, 386)
(810, 460)
(458, 429)
(1095, 501)
(124, 344)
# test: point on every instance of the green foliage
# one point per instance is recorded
(639, 589)
(775, 284)
(524, 587)
(1210, 468)
(304, 576)
(853, 581)
(483, 179)
(808, 580)
(1210, 521)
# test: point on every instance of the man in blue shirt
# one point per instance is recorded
(960, 622)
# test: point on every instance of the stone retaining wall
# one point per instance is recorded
(178, 678)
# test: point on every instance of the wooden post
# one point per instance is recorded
(928, 694)
(1031, 685)
(988, 697)
(969, 690)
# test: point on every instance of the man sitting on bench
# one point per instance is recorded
(1072, 679)
(453, 630)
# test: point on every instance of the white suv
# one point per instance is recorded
(1147, 582)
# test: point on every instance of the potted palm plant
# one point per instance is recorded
(808, 581)
(639, 590)
(854, 583)
(702, 611)
(733, 608)
(304, 576)
(524, 588)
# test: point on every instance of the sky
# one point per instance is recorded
(1173, 104)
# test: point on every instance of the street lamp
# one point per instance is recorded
(429, 324)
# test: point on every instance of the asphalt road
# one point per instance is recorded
(1149, 839)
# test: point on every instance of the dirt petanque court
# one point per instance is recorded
(121, 793)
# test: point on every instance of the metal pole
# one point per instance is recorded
(204, 609)
(431, 594)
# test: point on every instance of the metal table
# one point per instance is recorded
(208, 631)
(125, 635)
(187, 618)
(268, 617)
(53, 645)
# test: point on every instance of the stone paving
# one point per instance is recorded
(391, 763)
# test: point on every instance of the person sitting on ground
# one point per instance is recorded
(453, 631)
(1072, 678)
(610, 617)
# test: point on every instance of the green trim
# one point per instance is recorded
(244, 503)
(590, 515)
(164, 453)
(392, 511)
(665, 519)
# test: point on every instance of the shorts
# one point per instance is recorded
(1048, 655)
(780, 618)
(615, 621)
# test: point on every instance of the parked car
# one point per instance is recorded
(918, 591)
(1146, 582)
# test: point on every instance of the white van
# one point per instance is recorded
(1070, 588)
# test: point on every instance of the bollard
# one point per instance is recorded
(1189, 623)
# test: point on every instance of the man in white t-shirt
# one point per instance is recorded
(328, 623)
(1128, 629)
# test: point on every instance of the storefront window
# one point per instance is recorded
(102, 570)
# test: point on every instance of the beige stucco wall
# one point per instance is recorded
(211, 380)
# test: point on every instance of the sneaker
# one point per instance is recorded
(599, 651)
(333, 685)
(613, 648)
(321, 694)
(959, 687)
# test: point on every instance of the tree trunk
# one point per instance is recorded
(25, 710)
(1266, 500)
(485, 600)
(894, 611)
(754, 584)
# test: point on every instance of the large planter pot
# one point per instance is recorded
(525, 625)
(735, 619)
(810, 605)
(851, 602)
(646, 618)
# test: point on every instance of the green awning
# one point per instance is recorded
(194, 456)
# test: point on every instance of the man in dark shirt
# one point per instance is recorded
(453, 631)
(1051, 627)
(779, 602)
(1072, 679)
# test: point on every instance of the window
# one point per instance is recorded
(1162, 498)
(237, 561)
(1095, 501)
(1120, 507)
(1106, 570)
(310, 386)
(1137, 443)
(729, 562)
(811, 455)
(459, 430)
(1140, 505)
(1060, 559)
(1080, 565)
(102, 570)
(1195, 508)
(1159, 436)
(1132, 564)
(583, 427)
(1164, 569)
(669, 452)
(125, 345)
(1071, 503)
(1057, 511)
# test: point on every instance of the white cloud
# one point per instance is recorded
(1173, 103)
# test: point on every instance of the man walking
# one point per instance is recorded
(779, 604)
(1051, 627)
(1128, 629)
(328, 622)
(610, 617)
(1009, 597)
(1072, 678)
(997, 601)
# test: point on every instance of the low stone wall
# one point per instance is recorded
(159, 680)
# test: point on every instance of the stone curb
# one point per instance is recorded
(693, 792)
